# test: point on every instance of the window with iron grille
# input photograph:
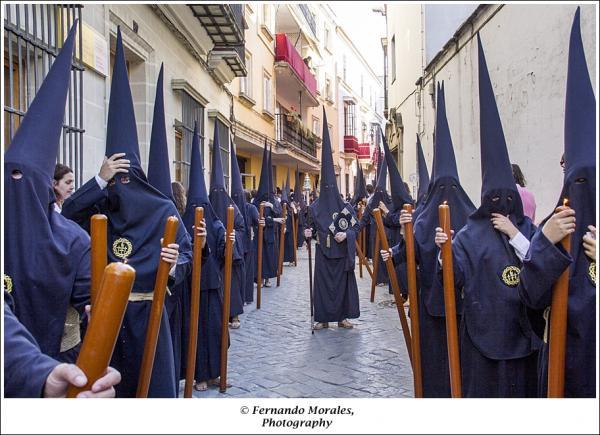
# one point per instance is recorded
(33, 35)
(192, 111)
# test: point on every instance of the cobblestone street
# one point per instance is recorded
(273, 354)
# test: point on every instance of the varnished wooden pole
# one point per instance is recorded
(104, 326)
(99, 254)
(192, 344)
(450, 303)
(226, 300)
(158, 302)
(375, 265)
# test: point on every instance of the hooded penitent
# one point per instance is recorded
(208, 354)
(335, 289)
(46, 257)
(423, 174)
(220, 200)
(158, 158)
(133, 235)
(545, 263)
(360, 188)
(498, 345)
(443, 187)
(270, 242)
(288, 249)
(301, 208)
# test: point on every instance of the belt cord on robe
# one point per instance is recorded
(226, 300)
(101, 336)
(558, 325)
(156, 310)
(261, 215)
(194, 305)
(450, 303)
(99, 254)
(413, 297)
(394, 281)
(281, 244)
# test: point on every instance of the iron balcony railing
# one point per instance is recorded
(289, 132)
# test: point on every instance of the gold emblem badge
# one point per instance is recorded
(510, 276)
(592, 272)
(8, 284)
(122, 248)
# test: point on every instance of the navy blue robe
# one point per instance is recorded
(26, 368)
(250, 256)
(288, 247)
(270, 248)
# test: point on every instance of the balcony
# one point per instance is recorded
(351, 145)
(291, 133)
(294, 79)
(225, 26)
(364, 151)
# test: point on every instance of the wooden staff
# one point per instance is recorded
(102, 332)
(375, 265)
(393, 280)
(99, 253)
(310, 285)
(359, 243)
(363, 259)
(261, 215)
(156, 311)
(295, 237)
(195, 305)
(558, 325)
(281, 245)
(450, 303)
(226, 300)
(411, 264)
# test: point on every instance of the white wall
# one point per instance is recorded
(526, 48)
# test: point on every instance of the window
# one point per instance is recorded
(393, 49)
(328, 92)
(349, 117)
(315, 126)
(267, 95)
(192, 112)
(363, 132)
(267, 17)
(327, 37)
(224, 146)
(347, 177)
(246, 82)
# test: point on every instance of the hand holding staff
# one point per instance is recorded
(195, 304)
(103, 330)
(394, 280)
(411, 264)
(281, 245)
(558, 325)
(226, 300)
(158, 302)
(450, 303)
(99, 253)
(261, 216)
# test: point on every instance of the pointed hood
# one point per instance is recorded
(237, 188)
(272, 189)
(264, 193)
(298, 196)
(37, 140)
(579, 184)
(121, 128)
(423, 174)
(360, 188)
(159, 175)
(329, 200)
(197, 192)
(285, 192)
(580, 106)
(445, 162)
(400, 195)
(217, 179)
(497, 178)
(380, 193)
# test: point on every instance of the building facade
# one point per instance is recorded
(265, 71)
(526, 48)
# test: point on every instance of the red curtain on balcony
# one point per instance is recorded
(285, 51)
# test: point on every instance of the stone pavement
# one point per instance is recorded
(273, 354)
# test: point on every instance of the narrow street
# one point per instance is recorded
(273, 354)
